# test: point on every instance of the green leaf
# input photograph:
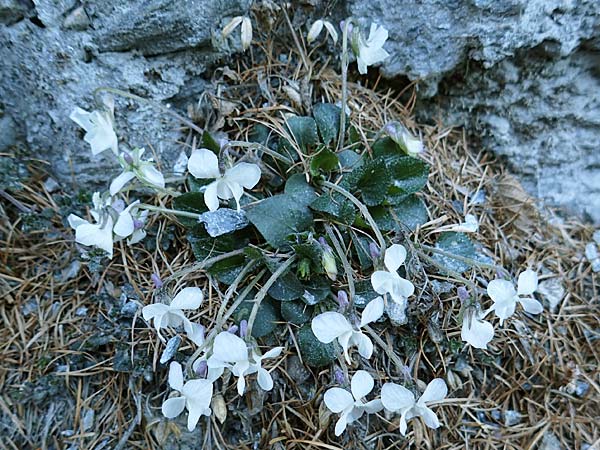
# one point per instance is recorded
(460, 245)
(411, 211)
(190, 202)
(279, 216)
(297, 187)
(325, 160)
(205, 246)
(337, 206)
(349, 159)
(316, 290)
(210, 143)
(363, 293)
(304, 131)
(266, 316)
(387, 149)
(409, 175)
(296, 312)
(286, 288)
(311, 250)
(327, 117)
(372, 180)
(361, 248)
(313, 352)
(228, 269)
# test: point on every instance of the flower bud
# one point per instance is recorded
(374, 250)
(128, 158)
(233, 329)
(138, 224)
(401, 136)
(342, 299)
(202, 369)
(243, 328)
(315, 31)
(463, 294)
(304, 268)
(118, 205)
(338, 375)
(246, 33)
(329, 265)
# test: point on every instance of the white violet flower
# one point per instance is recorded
(134, 167)
(204, 164)
(388, 281)
(196, 396)
(332, 325)
(246, 30)
(505, 297)
(172, 315)
(231, 352)
(99, 234)
(396, 398)
(317, 27)
(404, 138)
(99, 129)
(351, 406)
(369, 51)
(476, 331)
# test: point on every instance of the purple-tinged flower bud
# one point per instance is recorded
(156, 280)
(138, 224)
(342, 299)
(118, 205)
(463, 294)
(323, 243)
(233, 329)
(374, 250)
(338, 375)
(202, 369)
(243, 328)
(343, 24)
(128, 158)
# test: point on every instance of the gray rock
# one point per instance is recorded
(223, 221)
(11, 11)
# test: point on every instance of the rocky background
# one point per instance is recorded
(523, 76)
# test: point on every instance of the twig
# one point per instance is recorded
(345, 63)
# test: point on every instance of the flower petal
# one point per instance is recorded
(117, 184)
(196, 333)
(374, 406)
(476, 332)
(362, 384)
(505, 309)
(152, 175)
(314, 31)
(383, 281)
(230, 348)
(501, 290)
(429, 418)
(204, 164)
(331, 30)
(527, 283)
(153, 311)
(244, 174)
(188, 298)
(403, 424)
(124, 226)
(372, 312)
(172, 407)
(329, 325)
(531, 305)
(96, 235)
(394, 257)
(198, 394)
(364, 344)
(273, 353)
(264, 379)
(340, 425)
(75, 221)
(211, 198)
(175, 376)
(344, 341)
(395, 398)
(401, 289)
(338, 399)
(435, 391)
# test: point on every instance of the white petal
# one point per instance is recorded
(338, 399)
(241, 385)
(244, 174)
(362, 383)
(383, 281)
(394, 257)
(246, 33)
(364, 344)
(233, 190)
(227, 29)
(340, 425)
(430, 418)
(477, 333)
(395, 397)
(152, 175)
(372, 312)
(117, 184)
(403, 424)
(75, 221)
(82, 118)
(188, 298)
(377, 36)
(204, 164)
(531, 305)
(504, 309)
(196, 334)
(156, 309)
(124, 226)
(175, 376)
(331, 30)
(264, 380)
(329, 325)
(362, 66)
(435, 391)
(273, 353)
(314, 31)
(401, 289)
(198, 394)
(101, 237)
(501, 290)
(229, 347)
(374, 406)
(172, 407)
(344, 341)
(211, 198)
(528, 282)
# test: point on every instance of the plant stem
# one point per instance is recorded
(363, 210)
(344, 84)
(157, 105)
(175, 212)
(263, 291)
(345, 263)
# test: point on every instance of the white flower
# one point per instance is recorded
(505, 297)
(317, 27)
(332, 325)
(396, 398)
(99, 129)
(369, 51)
(475, 330)
(195, 396)
(246, 33)
(99, 234)
(351, 406)
(204, 164)
(134, 167)
(231, 352)
(401, 136)
(389, 282)
(470, 225)
(172, 315)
